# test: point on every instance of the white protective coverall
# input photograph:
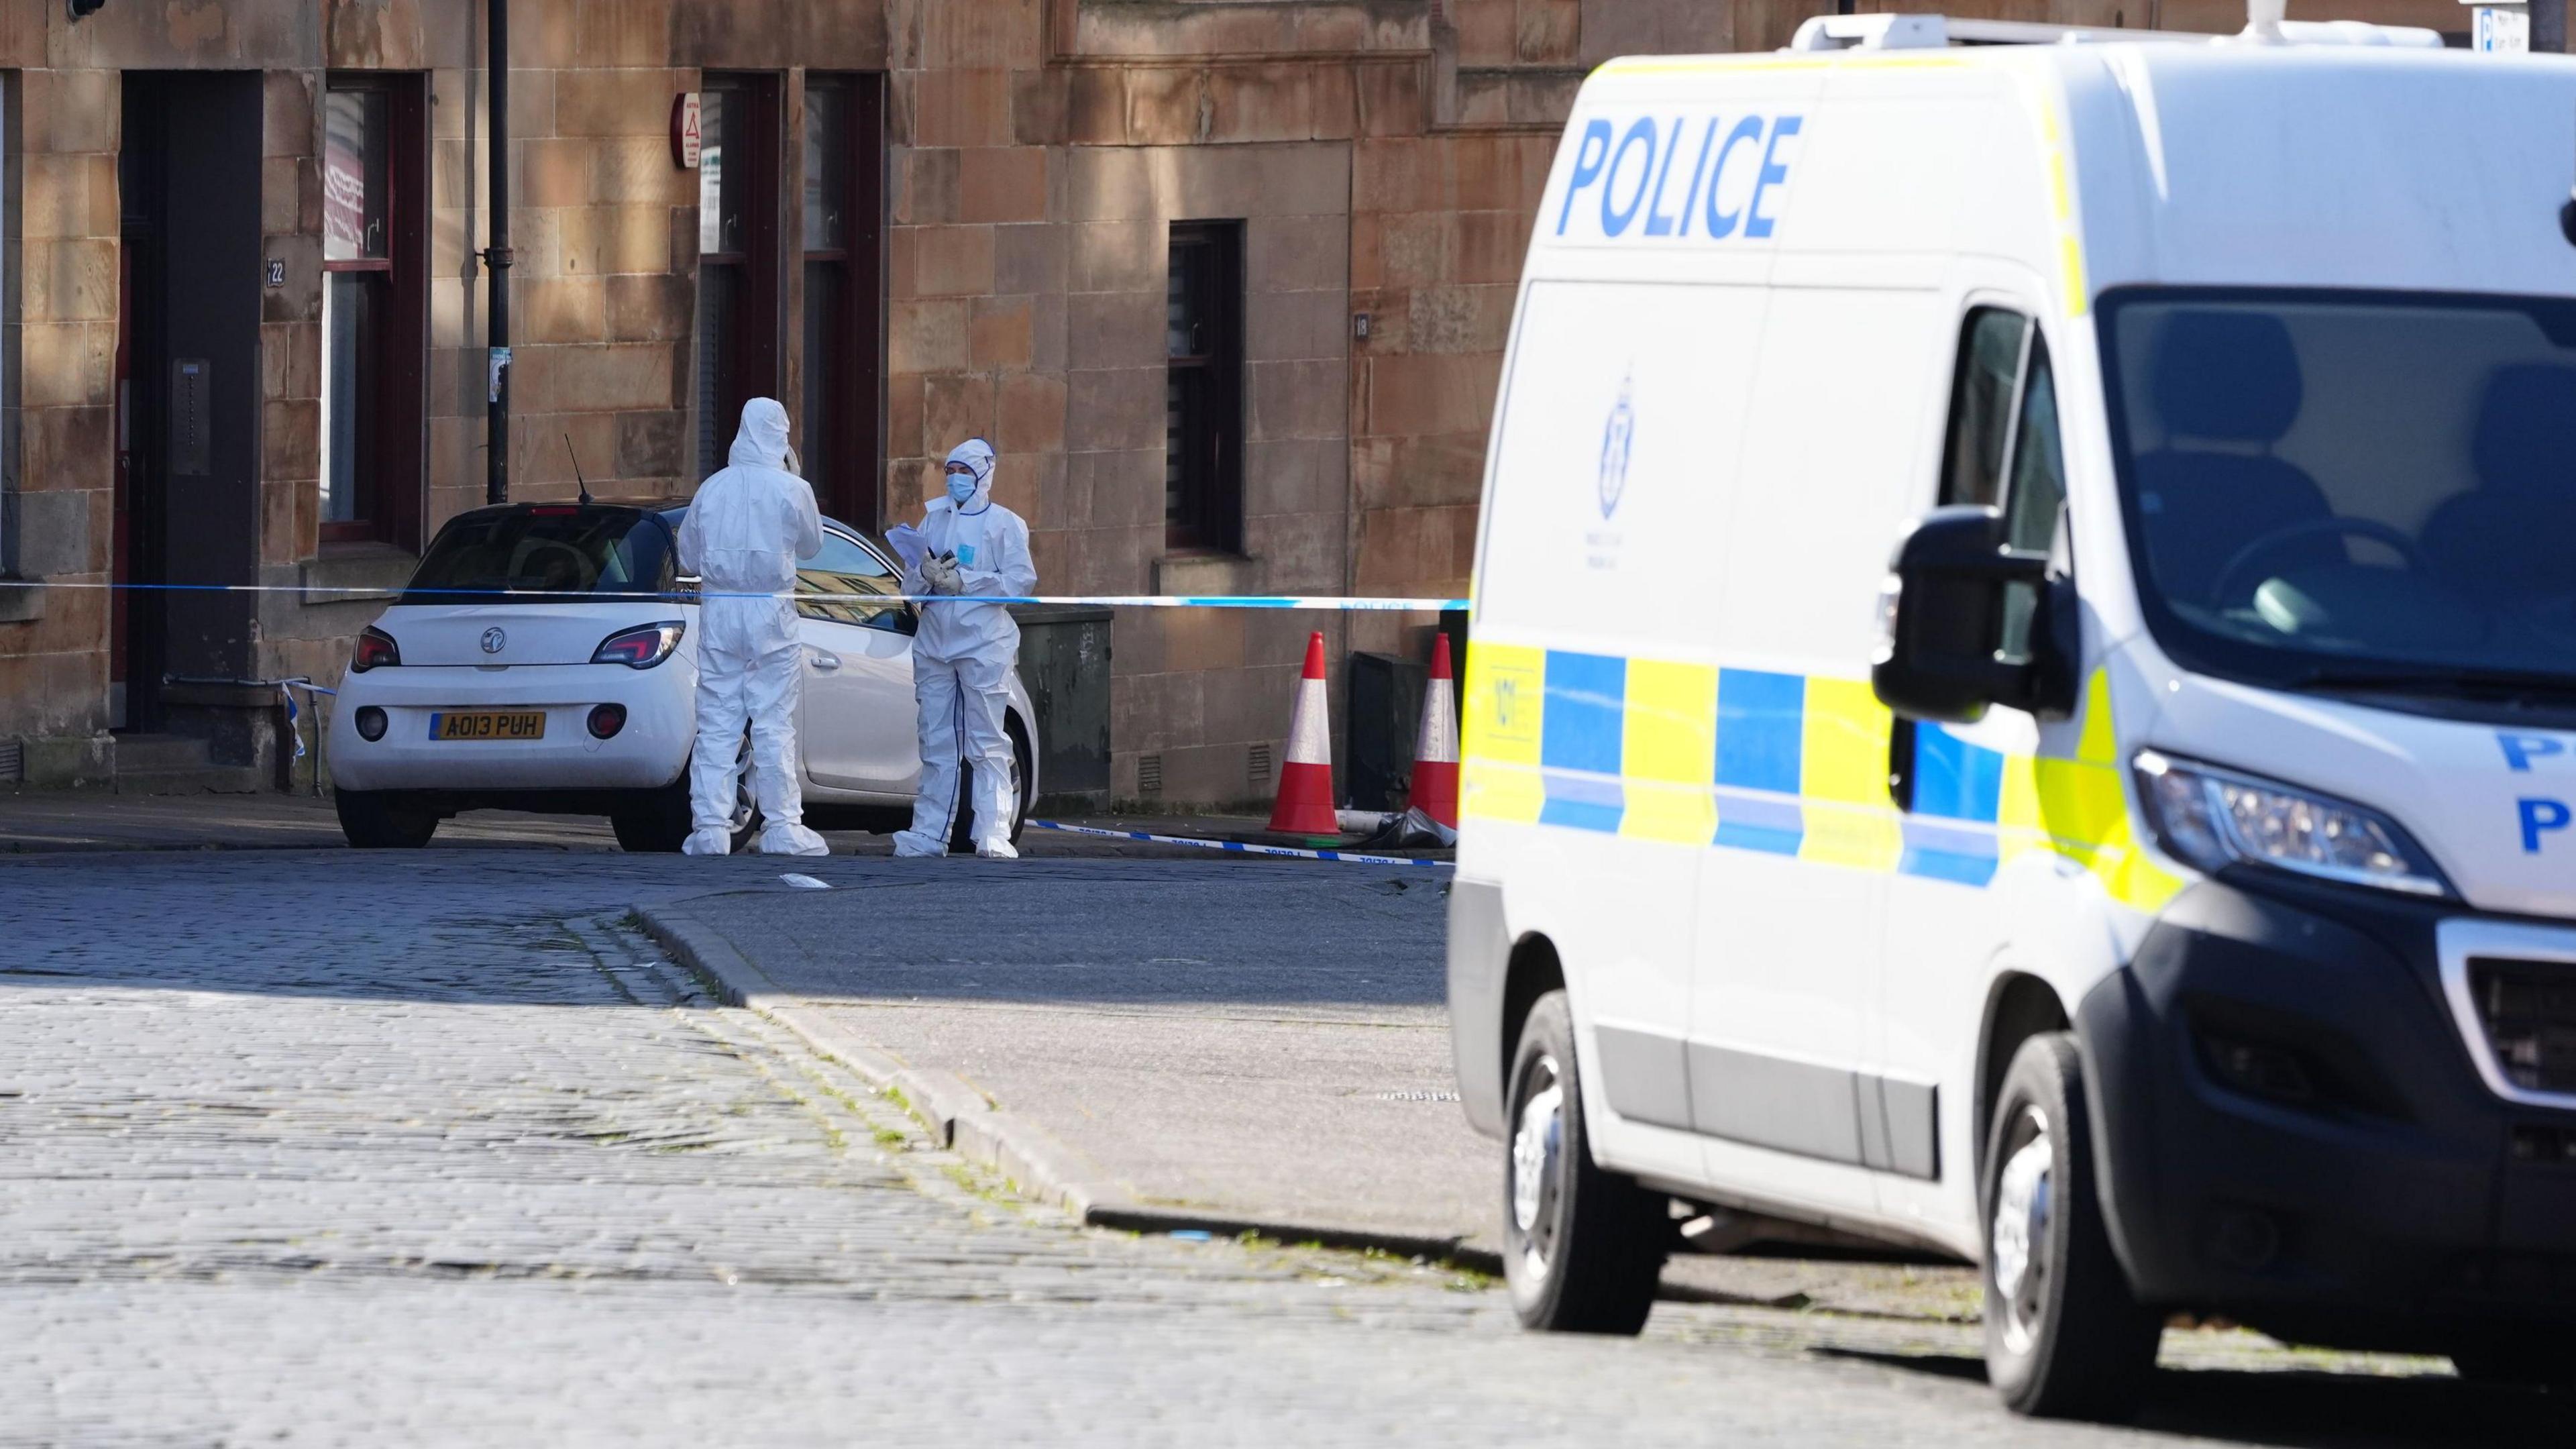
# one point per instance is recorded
(961, 663)
(749, 524)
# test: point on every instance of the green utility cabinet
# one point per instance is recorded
(1064, 662)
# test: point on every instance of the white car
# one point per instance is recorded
(574, 695)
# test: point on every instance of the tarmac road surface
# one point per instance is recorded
(337, 1147)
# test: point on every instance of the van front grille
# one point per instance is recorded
(2528, 1011)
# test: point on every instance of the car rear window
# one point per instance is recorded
(568, 551)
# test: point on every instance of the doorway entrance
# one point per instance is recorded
(187, 389)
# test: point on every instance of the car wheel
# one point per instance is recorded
(2540, 1362)
(961, 836)
(1582, 1247)
(660, 821)
(2064, 1336)
(746, 800)
(657, 823)
(379, 820)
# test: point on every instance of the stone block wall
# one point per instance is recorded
(61, 147)
(1036, 174)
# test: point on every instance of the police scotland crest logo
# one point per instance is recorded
(1603, 542)
(1618, 437)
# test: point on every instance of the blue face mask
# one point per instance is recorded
(961, 487)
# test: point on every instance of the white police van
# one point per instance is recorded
(2158, 882)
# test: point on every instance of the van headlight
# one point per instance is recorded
(2208, 817)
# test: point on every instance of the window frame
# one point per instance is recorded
(753, 365)
(1209, 516)
(2018, 615)
(393, 461)
(2192, 646)
(2032, 354)
(845, 440)
(887, 613)
(1961, 373)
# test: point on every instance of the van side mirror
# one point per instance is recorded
(1956, 593)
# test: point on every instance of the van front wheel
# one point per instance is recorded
(2064, 1337)
(1582, 1247)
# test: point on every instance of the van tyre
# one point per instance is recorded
(381, 820)
(2064, 1336)
(1583, 1248)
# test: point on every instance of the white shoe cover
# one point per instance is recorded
(784, 839)
(912, 844)
(996, 850)
(708, 842)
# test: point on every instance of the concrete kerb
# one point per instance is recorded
(1037, 1163)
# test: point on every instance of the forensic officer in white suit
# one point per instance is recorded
(746, 528)
(961, 659)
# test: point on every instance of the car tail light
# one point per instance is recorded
(641, 648)
(375, 648)
(371, 723)
(606, 720)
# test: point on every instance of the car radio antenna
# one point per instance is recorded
(584, 483)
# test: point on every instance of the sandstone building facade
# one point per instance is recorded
(1225, 281)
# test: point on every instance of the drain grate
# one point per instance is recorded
(13, 761)
(1149, 775)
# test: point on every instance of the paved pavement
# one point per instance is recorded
(1251, 1041)
(59, 820)
(318, 1147)
(48, 821)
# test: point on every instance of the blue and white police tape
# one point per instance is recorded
(1328, 603)
(286, 691)
(1234, 847)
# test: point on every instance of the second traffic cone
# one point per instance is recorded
(1435, 749)
(1305, 803)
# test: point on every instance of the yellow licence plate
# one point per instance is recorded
(488, 724)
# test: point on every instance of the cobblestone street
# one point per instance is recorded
(334, 1148)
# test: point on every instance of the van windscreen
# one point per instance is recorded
(2337, 488)
(545, 550)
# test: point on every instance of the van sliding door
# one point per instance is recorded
(1784, 995)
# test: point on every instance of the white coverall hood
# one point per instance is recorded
(977, 455)
(761, 442)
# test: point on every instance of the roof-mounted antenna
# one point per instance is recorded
(576, 470)
(2263, 21)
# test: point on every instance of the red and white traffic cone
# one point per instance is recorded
(1305, 803)
(1435, 749)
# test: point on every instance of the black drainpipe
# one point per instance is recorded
(496, 478)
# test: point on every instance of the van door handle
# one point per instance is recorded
(823, 661)
(1901, 738)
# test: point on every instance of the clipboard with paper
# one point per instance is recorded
(909, 545)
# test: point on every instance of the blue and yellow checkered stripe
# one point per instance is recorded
(1786, 764)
